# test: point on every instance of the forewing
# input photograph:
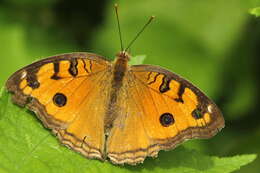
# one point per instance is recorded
(68, 94)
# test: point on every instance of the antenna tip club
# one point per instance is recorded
(151, 18)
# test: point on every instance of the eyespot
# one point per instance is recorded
(32, 81)
(34, 84)
(166, 119)
(60, 99)
(197, 113)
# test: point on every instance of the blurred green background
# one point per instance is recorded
(215, 44)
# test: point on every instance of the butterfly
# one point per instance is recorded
(110, 110)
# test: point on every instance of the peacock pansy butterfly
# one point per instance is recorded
(111, 110)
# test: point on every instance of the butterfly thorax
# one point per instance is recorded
(120, 67)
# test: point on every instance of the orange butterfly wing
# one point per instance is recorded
(60, 90)
(162, 111)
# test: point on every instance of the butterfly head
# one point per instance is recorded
(123, 55)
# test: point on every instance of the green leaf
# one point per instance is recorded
(138, 59)
(255, 11)
(26, 146)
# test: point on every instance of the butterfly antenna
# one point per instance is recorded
(138, 34)
(118, 25)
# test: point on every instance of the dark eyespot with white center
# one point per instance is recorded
(197, 114)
